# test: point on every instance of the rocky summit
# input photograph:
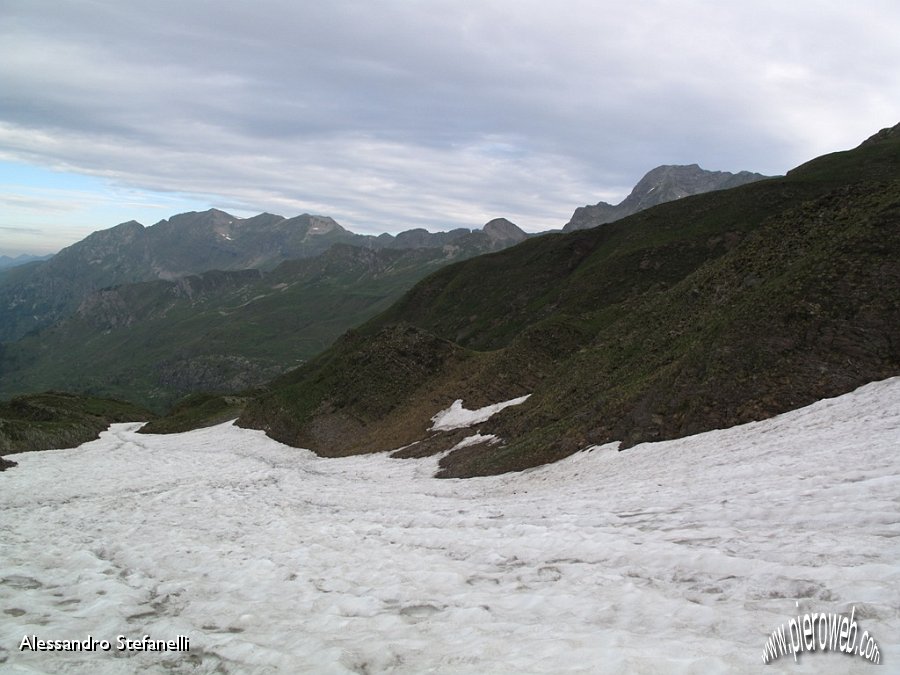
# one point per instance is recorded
(663, 184)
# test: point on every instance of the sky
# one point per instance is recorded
(398, 114)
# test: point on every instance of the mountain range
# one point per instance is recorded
(211, 302)
(706, 312)
(7, 261)
(37, 295)
(156, 341)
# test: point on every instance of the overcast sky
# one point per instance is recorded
(388, 115)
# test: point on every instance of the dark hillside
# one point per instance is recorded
(54, 420)
(705, 312)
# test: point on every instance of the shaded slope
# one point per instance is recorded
(701, 313)
(153, 342)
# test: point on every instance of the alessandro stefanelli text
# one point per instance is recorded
(122, 643)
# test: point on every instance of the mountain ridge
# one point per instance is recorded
(7, 261)
(704, 312)
(37, 295)
(663, 184)
(152, 342)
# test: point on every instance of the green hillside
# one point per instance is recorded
(705, 312)
(54, 420)
(155, 342)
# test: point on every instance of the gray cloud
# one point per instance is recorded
(398, 114)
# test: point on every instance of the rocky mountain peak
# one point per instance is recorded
(319, 225)
(208, 218)
(500, 229)
(669, 182)
(128, 225)
(123, 232)
(663, 184)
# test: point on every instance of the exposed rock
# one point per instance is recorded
(502, 230)
(663, 184)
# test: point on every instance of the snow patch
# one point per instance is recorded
(457, 417)
(474, 439)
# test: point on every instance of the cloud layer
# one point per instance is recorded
(435, 114)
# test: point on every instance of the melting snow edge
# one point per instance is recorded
(457, 417)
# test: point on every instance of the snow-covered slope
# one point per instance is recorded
(680, 556)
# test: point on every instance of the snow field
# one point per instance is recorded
(677, 557)
(458, 417)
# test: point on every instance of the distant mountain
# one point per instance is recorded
(38, 295)
(701, 313)
(663, 184)
(155, 341)
(8, 261)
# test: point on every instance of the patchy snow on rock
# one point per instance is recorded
(673, 557)
(457, 417)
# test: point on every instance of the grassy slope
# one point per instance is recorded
(702, 313)
(54, 420)
(196, 411)
(228, 335)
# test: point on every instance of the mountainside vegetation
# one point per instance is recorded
(208, 302)
(53, 420)
(197, 411)
(37, 295)
(220, 331)
(705, 312)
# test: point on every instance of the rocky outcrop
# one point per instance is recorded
(663, 184)
(500, 230)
